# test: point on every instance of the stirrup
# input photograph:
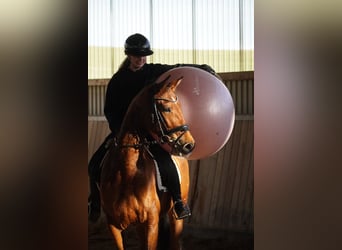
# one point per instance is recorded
(183, 211)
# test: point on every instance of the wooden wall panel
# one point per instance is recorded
(221, 189)
(98, 129)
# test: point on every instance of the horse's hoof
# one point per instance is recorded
(181, 210)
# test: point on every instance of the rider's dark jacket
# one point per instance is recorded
(124, 86)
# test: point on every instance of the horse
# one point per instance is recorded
(128, 186)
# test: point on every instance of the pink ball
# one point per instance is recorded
(208, 109)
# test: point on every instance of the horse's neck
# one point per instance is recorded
(130, 151)
(130, 138)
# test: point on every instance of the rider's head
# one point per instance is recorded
(138, 45)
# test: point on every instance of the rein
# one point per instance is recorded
(137, 145)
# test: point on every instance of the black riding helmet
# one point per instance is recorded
(137, 45)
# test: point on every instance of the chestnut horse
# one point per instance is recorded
(128, 187)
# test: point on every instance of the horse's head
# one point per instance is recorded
(169, 125)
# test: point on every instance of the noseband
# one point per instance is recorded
(158, 118)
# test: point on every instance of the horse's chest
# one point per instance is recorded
(131, 210)
(135, 203)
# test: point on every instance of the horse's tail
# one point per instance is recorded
(164, 233)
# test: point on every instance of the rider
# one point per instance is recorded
(133, 75)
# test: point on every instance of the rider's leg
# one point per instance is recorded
(170, 178)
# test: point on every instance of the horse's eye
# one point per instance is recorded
(163, 108)
(166, 109)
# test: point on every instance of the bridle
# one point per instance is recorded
(164, 136)
(165, 133)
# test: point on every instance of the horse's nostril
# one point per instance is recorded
(188, 147)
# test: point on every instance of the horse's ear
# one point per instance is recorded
(174, 84)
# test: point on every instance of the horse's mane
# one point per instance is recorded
(141, 105)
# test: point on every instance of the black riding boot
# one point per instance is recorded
(94, 172)
(94, 203)
(170, 178)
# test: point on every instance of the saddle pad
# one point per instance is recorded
(160, 185)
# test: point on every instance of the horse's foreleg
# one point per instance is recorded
(176, 228)
(117, 237)
(152, 233)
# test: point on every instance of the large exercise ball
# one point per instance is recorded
(207, 106)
